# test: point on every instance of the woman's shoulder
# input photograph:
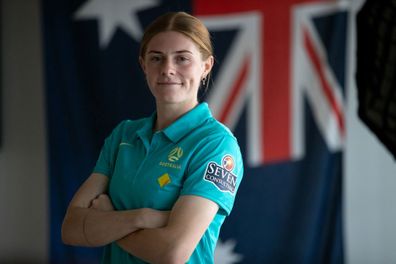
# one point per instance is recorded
(128, 126)
(135, 123)
(212, 128)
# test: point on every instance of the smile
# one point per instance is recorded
(169, 83)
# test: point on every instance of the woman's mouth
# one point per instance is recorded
(169, 83)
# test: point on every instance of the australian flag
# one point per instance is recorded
(278, 83)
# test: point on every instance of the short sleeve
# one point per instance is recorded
(215, 172)
(108, 154)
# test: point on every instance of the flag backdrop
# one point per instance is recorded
(278, 83)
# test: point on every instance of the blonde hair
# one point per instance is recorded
(183, 23)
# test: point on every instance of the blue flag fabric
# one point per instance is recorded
(291, 129)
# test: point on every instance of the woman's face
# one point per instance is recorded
(174, 68)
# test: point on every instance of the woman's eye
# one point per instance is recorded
(182, 59)
(155, 59)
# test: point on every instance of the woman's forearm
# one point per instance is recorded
(92, 227)
(159, 245)
(175, 242)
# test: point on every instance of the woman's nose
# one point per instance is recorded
(168, 68)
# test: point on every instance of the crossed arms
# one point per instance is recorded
(152, 235)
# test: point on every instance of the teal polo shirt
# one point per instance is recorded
(195, 155)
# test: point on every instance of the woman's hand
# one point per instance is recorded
(91, 219)
(150, 218)
(103, 203)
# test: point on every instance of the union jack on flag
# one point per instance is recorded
(278, 57)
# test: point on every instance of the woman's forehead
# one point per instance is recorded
(171, 42)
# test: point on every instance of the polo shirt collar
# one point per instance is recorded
(188, 122)
(146, 131)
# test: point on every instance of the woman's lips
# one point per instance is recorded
(169, 83)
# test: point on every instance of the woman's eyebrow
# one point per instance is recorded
(177, 52)
(183, 51)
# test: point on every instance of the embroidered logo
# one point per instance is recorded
(175, 154)
(221, 175)
(164, 180)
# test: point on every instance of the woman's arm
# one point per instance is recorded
(91, 221)
(174, 243)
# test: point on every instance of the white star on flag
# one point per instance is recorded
(224, 253)
(114, 14)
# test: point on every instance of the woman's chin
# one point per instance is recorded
(168, 100)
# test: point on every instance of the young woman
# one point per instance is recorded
(162, 185)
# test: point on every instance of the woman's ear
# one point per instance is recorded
(141, 62)
(208, 64)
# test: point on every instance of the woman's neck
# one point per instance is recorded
(169, 113)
